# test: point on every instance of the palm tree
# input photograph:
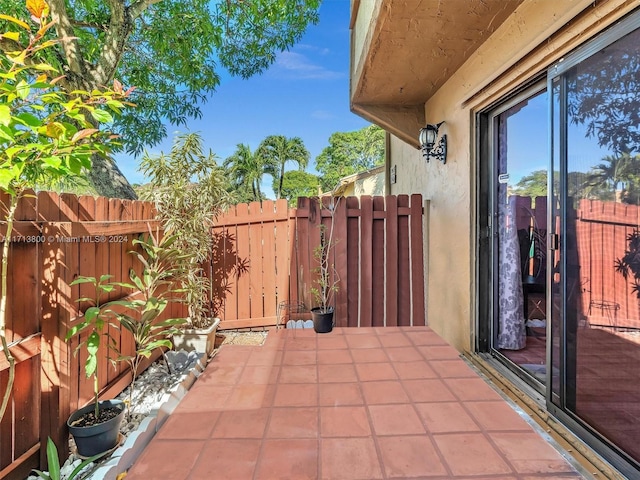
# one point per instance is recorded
(615, 172)
(277, 150)
(248, 168)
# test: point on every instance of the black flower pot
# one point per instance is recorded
(98, 438)
(322, 319)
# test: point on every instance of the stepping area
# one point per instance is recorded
(356, 403)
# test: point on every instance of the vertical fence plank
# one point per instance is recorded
(268, 246)
(391, 253)
(69, 213)
(255, 252)
(55, 352)
(404, 283)
(378, 262)
(313, 243)
(244, 251)
(366, 260)
(353, 262)
(24, 318)
(236, 264)
(341, 262)
(417, 262)
(302, 256)
(282, 247)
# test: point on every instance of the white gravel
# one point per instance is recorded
(152, 388)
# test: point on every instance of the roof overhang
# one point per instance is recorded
(409, 50)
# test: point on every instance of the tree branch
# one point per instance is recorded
(97, 26)
(139, 6)
(75, 62)
(120, 27)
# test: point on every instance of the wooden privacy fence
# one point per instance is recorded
(603, 296)
(602, 230)
(57, 238)
(263, 264)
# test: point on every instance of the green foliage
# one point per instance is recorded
(349, 153)
(53, 464)
(245, 170)
(97, 319)
(603, 95)
(617, 178)
(45, 134)
(161, 269)
(277, 150)
(532, 185)
(299, 184)
(189, 191)
(170, 50)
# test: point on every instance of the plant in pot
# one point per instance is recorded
(188, 189)
(47, 135)
(95, 427)
(327, 283)
(153, 292)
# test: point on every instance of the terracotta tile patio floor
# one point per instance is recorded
(360, 403)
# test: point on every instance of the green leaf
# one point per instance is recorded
(90, 366)
(53, 464)
(102, 116)
(92, 313)
(5, 115)
(93, 343)
(83, 280)
(29, 119)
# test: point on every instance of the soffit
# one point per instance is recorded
(416, 45)
(412, 48)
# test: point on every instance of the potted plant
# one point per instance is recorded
(326, 285)
(188, 190)
(95, 427)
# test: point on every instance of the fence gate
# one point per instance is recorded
(263, 258)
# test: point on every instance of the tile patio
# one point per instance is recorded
(367, 403)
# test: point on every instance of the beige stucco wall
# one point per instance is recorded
(372, 185)
(534, 38)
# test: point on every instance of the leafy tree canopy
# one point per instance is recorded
(349, 153)
(603, 95)
(532, 185)
(168, 49)
(296, 184)
(277, 150)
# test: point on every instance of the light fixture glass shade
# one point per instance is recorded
(428, 135)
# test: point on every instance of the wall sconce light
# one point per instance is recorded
(427, 138)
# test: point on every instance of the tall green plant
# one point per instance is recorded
(96, 321)
(161, 269)
(45, 135)
(327, 283)
(188, 189)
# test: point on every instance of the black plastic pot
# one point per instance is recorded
(322, 320)
(98, 438)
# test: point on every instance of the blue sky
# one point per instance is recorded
(305, 94)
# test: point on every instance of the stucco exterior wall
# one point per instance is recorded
(373, 185)
(533, 38)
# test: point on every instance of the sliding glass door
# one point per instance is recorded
(559, 239)
(595, 278)
(518, 217)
